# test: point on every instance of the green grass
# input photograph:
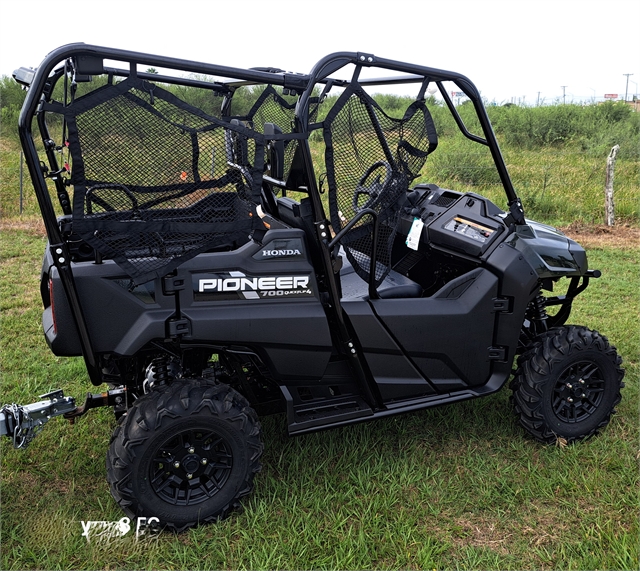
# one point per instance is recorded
(452, 487)
(558, 186)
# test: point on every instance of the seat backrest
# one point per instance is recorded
(152, 183)
(299, 215)
(274, 115)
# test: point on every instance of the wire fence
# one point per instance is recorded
(554, 184)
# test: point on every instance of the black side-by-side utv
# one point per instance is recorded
(229, 243)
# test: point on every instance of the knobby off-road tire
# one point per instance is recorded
(185, 453)
(567, 384)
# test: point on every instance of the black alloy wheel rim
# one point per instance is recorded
(578, 392)
(191, 466)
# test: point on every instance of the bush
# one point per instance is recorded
(457, 160)
(595, 128)
(9, 121)
(11, 98)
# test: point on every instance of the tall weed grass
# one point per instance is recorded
(593, 129)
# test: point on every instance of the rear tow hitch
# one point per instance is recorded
(22, 423)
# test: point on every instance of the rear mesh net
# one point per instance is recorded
(157, 181)
(371, 159)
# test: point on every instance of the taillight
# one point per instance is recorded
(53, 309)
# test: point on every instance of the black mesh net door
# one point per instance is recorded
(371, 159)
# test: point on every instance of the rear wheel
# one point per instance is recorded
(185, 453)
(567, 384)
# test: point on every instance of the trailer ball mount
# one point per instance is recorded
(22, 423)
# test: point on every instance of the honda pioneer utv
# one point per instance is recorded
(229, 243)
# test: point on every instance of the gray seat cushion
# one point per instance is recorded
(394, 286)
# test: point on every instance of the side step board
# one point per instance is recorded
(311, 416)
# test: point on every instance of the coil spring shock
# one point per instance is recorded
(539, 312)
(160, 370)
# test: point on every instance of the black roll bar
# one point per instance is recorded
(414, 74)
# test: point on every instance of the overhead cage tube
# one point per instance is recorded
(89, 60)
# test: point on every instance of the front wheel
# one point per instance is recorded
(185, 454)
(567, 384)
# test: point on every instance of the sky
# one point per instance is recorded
(513, 50)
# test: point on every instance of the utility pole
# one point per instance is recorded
(563, 95)
(627, 88)
(538, 100)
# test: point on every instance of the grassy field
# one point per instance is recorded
(455, 487)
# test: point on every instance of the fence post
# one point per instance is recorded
(21, 161)
(608, 186)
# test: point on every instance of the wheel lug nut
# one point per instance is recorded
(189, 476)
(581, 381)
(176, 464)
(569, 399)
(192, 450)
(203, 461)
(583, 395)
(569, 386)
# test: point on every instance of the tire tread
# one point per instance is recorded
(537, 363)
(179, 400)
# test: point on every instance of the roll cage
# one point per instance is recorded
(219, 208)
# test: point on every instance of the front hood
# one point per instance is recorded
(549, 251)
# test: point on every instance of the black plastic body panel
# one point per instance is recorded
(448, 338)
(290, 332)
(395, 375)
(293, 339)
(120, 321)
(519, 285)
(550, 252)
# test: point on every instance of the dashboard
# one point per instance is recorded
(466, 223)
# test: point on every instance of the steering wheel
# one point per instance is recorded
(371, 184)
(101, 201)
